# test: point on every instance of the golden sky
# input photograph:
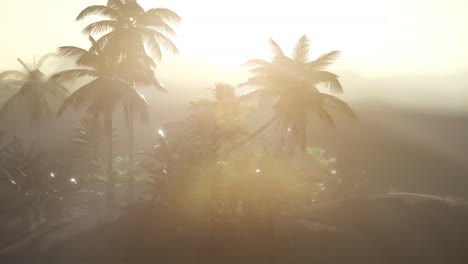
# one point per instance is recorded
(377, 37)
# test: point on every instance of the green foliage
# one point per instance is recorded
(121, 171)
(192, 171)
(90, 138)
(209, 185)
(31, 188)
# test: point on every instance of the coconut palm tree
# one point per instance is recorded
(220, 121)
(35, 91)
(102, 95)
(293, 82)
(128, 28)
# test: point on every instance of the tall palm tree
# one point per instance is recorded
(128, 28)
(102, 95)
(35, 91)
(293, 82)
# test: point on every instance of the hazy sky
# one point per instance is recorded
(379, 38)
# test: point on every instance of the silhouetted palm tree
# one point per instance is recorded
(294, 83)
(220, 121)
(126, 32)
(130, 27)
(102, 95)
(34, 92)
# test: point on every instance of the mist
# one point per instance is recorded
(233, 132)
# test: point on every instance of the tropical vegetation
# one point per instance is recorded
(205, 167)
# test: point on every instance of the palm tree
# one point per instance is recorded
(102, 95)
(90, 137)
(34, 92)
(220, 121)
(23, 167)
(128, 28)
(294, 82)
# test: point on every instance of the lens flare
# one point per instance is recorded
(161, 133)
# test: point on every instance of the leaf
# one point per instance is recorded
(165, 14)
(275, 48)
(71, 51)
(330, 100)
(328, 79)
(155, 22)
(324, 60)
(79, 98)
(301, 50)
(16, 74)
(100, 27)
(153, 37)
(99, 10)
(44, 58)
(24, 65)
(71, 75)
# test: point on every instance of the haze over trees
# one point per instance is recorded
(215, 188)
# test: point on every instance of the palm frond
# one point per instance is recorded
(13, 73)
(71, 51)
(156, 23)
(13, 83)
(166, 42)
(79, 98)
(324, 60)
(328, 79)
(102, 42)
(139, 70)
(275, 48)
(147, 60)
(114, 3)
(165, 14)
(99, 10)
(70, 75)
(301, 50)
(153, 46)
(260, 70)
(24, 65)
(100, 27)
(332, 101)
(10, 102)
(92, 40)
(82, 57)
(255, 62)
(56, 89)
(255, 80)
(44, 58)
(325, 116)
(30, 87)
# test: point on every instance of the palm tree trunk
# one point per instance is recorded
(110, 160)
(131, 146)
(37, 136)
(303, 143)
(254, 134)
(93, 182)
